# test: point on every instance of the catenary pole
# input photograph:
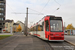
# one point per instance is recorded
(64, 27)
(27, 22)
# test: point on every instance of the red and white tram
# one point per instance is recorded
(49, 28)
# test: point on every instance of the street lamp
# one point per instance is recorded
(10, 28)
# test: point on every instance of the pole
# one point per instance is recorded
(27, 22)
(64, 27)
(24, 27)
(11, 29)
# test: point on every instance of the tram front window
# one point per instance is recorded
(56, 25)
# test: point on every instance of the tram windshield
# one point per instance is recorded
(56, 25)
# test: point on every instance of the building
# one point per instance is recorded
(70, 32)
(9, 25)
(2, 14)
(15, 25)
(21, 24)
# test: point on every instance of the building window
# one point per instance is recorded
(1, 8)
(1, 18)
(1, 3)
(0, 23)
(1, 14)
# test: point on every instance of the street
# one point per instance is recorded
(21, 42)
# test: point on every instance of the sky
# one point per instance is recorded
(37, 9)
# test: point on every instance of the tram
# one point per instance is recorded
(49, 28)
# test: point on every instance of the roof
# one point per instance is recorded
(16, 24)
(8, 20)
(19, 22)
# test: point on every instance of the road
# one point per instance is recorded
(20, 42)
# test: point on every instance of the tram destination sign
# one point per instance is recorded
(55, 18)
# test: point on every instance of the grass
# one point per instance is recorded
(4, 36)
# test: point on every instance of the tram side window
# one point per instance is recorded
(47, 25)
(31, 29)
(35, 28)
(39, 28)
(43, 26)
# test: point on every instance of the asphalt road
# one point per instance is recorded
(21, 42)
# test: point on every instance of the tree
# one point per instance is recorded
(19, 28)
(70, 26)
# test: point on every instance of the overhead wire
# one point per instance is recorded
(28, 13)
(58, 7)
(42, 8)
(45, 5)
(57, 2)
(36, 11)
(11, 8)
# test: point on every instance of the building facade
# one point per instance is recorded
(15, 25)
(69, 32)
(2, 14)
(21, 24)
(9, 25)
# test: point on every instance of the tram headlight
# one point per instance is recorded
(62, 34)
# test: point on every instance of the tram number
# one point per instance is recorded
(57, 35)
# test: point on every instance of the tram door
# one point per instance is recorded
(46, 28)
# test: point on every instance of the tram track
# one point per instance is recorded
(60, 46)
(45, 44)
(51, 48)
(56, 45)
(69, 46)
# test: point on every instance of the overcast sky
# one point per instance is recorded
(47, 7)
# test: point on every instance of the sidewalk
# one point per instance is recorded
(6, 33)
(70, 39)
(21, 42)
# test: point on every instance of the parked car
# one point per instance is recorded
(65, 33)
